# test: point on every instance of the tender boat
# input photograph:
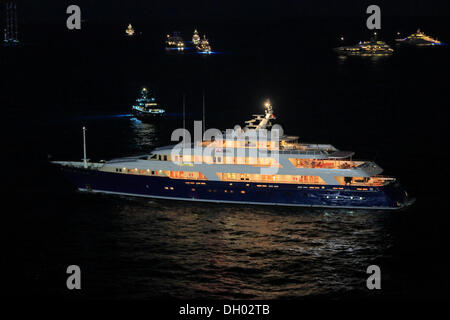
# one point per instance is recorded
(146, 108)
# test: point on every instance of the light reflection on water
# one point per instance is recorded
(145, 134)
(224, 251)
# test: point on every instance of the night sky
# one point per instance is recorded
(53, 11)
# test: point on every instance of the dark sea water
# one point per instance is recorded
(392, 110)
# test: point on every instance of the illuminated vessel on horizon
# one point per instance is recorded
(146, 108)
(274, 169)
(419, 39)
(204, 46)
(10, 32)
(196, 38)
(129, 30)
(174, 41)
(373, 47)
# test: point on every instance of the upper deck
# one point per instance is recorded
(254, 154)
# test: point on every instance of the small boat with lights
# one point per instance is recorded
(419, 39)
(129, 31)
(371, 48)
(146, 108)
(204, 46)
(174, 41)
(195, 38)
(274, 169)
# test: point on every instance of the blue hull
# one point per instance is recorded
(391, 196)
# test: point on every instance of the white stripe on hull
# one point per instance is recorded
(235, 202)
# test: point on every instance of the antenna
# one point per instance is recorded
(85, 160)
(16, 33)
(203, 122)
(184, 113)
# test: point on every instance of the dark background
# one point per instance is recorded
(393, 110)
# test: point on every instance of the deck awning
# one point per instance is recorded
(341, 154)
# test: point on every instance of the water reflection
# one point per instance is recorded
(228, 251)
(146, 135)
(343, 59)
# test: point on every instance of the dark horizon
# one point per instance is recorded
(139, 10)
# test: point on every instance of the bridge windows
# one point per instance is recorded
(324, 164)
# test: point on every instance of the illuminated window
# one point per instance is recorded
(274, 178)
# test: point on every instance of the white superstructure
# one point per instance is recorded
(242, 158)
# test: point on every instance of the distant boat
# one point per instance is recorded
(129, 31)
(196, 38)
(174, 41)
(10, 32)
(146, 108)
(204, 46)
(373, 47)
(419, 39)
